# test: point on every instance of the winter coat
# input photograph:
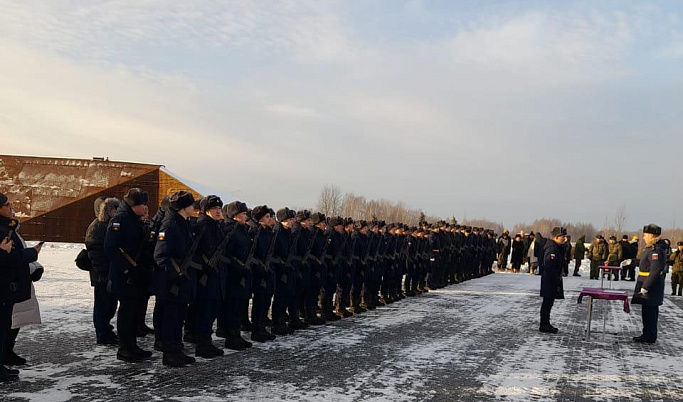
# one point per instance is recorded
(15, 280)
(174, 241)
(676, 261)
(551, 278)
(580, 248)
(615, 255)
(238, 276)
(126, 232)
(28, 311)
(211, 281)
(285, 273)
(94, 243)
(517, 252)
(652, 267)
(598, 251)
(504, 245)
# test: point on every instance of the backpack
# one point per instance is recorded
(83, 261)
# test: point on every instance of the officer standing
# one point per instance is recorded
(123, 244)
(551, 278)
(649, 291)
(262, 275)
(175, 277)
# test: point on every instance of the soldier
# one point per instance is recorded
(175, 278)
(262, 276)
(597, 253)
(104, 306)
(318, 269)
(284, 299)
(676, 261)
(331, 259)
(551, 279)
(157, 314)
(649, 290)
(123, 244)
(614, 255)
(239, 251)
(360, 240)
(347, 271)
(210, 280)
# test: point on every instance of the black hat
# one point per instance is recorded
(348, 221)
(680, 243)
(210, 201)
(558, 231)
(181, 199)
(303, 215)
(381, 224)
(3, 199)
(360, 224)
(317, 217)
(613, 237)
(336, 220)
(259, 212)
(235, 208)
(136, 196)
(652, 229)
(624, 237)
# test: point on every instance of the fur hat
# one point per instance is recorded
(303, 215)
(336, 220)
(317, 217)
(181, 199)
(235, 208)
(210, 201)
(259, 212)
(285, 213)
(652, 229)
(136, 196)
(558, 231)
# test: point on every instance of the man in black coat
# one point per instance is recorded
(15, 279)
(262, 283)
(175, 278)
(210, 280)
(649, 290)
(104, 306)
(123, 245)
(551, 276)
(284, 298)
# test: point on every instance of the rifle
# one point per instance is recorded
(271, 251)
(219, 254)
(335, 261)
(181, 269)
(349, 259)
(292, 248)
(309, 248)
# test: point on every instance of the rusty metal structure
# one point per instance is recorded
(53, 197)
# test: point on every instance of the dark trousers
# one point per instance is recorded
(126, 322)
(284, 302)
(191, 319)
(259, 307)
(650, 316)
(158, 318)
(142, 310)
(356, 289)
(11, 340)
(230, 314)
(546, 306)
(677, 283)
(172, 325)
(577, 265)
(104, 310)
(327, 294)
(5, 325)
(206, 313)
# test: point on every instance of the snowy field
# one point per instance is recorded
(474, 341)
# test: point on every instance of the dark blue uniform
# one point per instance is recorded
(126, 233)
(551, 280)
(331, 260)
(346, 274)
(284, 298)
(175, 285)
(651, 276)
(263, 279)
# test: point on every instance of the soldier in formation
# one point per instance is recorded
(296, 269)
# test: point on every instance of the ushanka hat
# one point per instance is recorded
(652, 229)
(259, 212)
(235, 208)
(210, 201)
(137, 196)
(181, 199)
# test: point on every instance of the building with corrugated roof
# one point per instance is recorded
(53, 197)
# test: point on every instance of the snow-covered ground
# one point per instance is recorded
(478, 340)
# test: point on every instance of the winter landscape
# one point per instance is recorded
(474, 341)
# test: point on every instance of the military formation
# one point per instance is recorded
(206, 263)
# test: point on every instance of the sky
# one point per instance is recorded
(504, 110)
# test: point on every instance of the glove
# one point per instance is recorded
(37, 274)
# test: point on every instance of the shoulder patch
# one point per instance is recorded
(162, 235)
(116, 226)
(655, 256)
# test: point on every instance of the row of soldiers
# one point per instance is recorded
(303, 267)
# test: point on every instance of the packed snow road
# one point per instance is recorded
(478, 340)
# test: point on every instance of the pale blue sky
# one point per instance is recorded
(509, 110)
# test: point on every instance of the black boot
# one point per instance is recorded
(177, 359)
(297, 325)
(7, 376)
(206, 349)
(546, 327)
(12, 359)
(128, 355)
(144, 354)
(234, 341)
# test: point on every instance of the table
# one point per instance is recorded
(595, 293)
(610, 270)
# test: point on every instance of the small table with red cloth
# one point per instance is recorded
(595, 293)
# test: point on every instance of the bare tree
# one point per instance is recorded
(330, 200)
(620, 219)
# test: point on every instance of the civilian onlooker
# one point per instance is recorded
(567, 257)
(15, 277)
(504, 248)
(517, 253)
(676, 261)
(104, 306)
(579, 254)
